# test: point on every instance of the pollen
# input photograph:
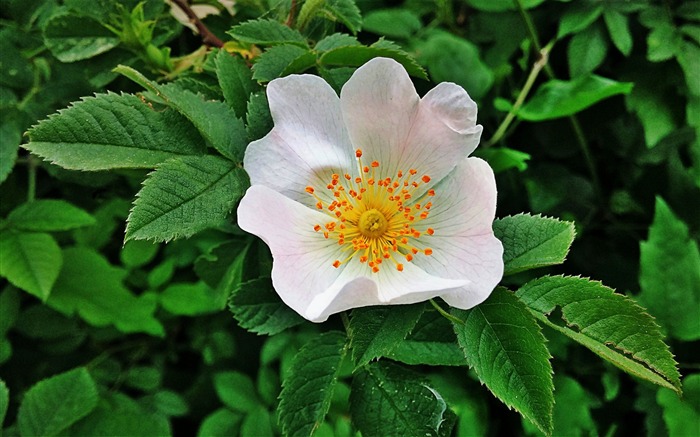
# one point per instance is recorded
(375, 218)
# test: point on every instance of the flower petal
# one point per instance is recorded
(302, 259)
(308, 142)
(464, 246)
(358, 287)
(386, 119)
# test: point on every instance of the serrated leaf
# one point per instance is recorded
(30, 261)
(48, 216)
(74, 37)
(431, 342)
(670, 274)
(215, 120)
(266, 32)
(236, 81)
(113, 131)
(54, 404)
(533, 241)
(354, 56)
(282, 60)
(237, 391)
(388, 400)
(559, 98)
(258, 118)
(184, 196)
(308, 387)
(89, 286)
(346, 12)
(257, 308)
(504, 345)
(376, 331)
(334, 41)
(609, 324)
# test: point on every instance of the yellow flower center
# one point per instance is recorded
(376, 219)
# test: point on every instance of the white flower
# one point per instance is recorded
(370, 199)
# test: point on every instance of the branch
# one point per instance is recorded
(208, 37)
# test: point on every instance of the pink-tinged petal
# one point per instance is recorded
(302, 259)
(464, 246)
(386, 119)
(357, 287)
(308, 142)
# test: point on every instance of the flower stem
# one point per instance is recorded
(208, 37)
(32, 163)
(536, 68)
(445, 314)
(346, 321)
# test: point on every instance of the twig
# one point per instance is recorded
(208, 37)
(292, 12)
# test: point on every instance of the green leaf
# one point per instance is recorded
(89, 286)
(670, 274)
(611, 325)
(258, 118)
(221, 423)
(394, 23)
(354, 56)
(504, 345)
(215, 120)
(654, 106)
(578, 17)
(344, 11)
(54, 404)
(236, 81)
(618, 27)
(663, 42)
(334, 41)
(11, 136)
(533, 241)
(49, 216)
(4, 401)
(559, 98)
(138, 253)
(266, 32)
(113, 131)
(191, 299)
(257, 308)
(308, 387)
(30, 261)
(184, 196)
(376, 331)
(222, 267)
(501, 5)
(502, 158)
(682, 416)
(282, 60)
(586, 51)
(74, 37)
(236, 391)
(119, 415)
(450, 58)
(388, 400)
(432, 342)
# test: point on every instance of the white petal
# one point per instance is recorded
(464, 245)
(386, 119)
(308, 142)
(302, 259)
(358, 287)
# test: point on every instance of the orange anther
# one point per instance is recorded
(319, 205)
(413, 171)
(325, 234)
(365, 169)
(414, 250)
(363, 259)
(310, 190)
(358, 153)
(335, 176)
(358, 180)
(425, 179)
(424, 215)
(428, 251)
(329, 186)
(375, 164)
(430, 231)
(347, 176)
(375, 269)
(399, 174)
(317, 228)
(399, 267)
(431, 192)
(336, 264)
(409, 257)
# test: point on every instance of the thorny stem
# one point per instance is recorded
(578, 132)
(445, 314)
(208, 37)
(536, 68)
